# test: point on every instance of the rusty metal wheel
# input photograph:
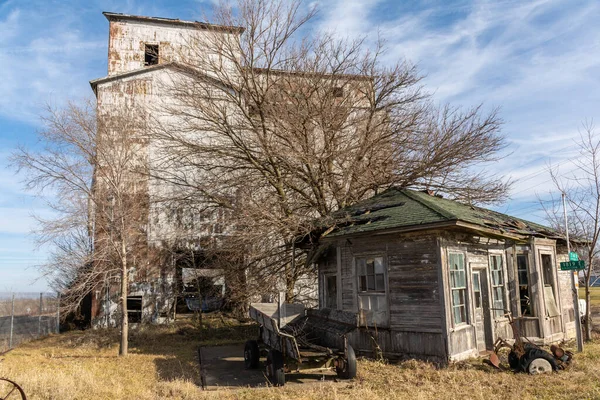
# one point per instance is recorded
(10, 390)
(346, 367)
(539, 366)
(251, 354)
(275, 368)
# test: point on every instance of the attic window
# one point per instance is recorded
(151, 54)
(338, 91)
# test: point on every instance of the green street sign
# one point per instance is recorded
(573, 256)
(572, 265)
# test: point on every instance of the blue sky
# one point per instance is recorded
(539, 61)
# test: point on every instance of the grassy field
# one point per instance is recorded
(162, 365)
(594, 293)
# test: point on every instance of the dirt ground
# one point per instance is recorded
(223, 368)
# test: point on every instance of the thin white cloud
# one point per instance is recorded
(39, 64)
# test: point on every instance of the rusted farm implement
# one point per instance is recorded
(10, 390)
(295, 339)
(527, 356)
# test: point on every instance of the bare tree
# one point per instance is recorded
(290, 129)
(581, 188)
(90, 171)
(280, 129)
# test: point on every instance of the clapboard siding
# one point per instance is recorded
(395, 344)
(413, 282)
(413, 291)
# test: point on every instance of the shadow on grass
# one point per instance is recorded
(176, 346)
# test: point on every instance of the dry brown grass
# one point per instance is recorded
(84, 365)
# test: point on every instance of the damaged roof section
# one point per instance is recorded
(404, 208)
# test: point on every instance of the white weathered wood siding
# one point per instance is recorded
(177, 42)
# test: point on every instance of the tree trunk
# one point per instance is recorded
(290, 283)
(588, 313)
(290, 272)
(124, 345)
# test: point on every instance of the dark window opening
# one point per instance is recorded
(331, 292)
(151, 54)
(526, 301)
(134, 309)
(338, 92)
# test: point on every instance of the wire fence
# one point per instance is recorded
(27, 316)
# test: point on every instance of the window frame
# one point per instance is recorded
(498, 314)
(374, 292)
(326, 277)
(465, 289)
(527, 270)
(553, 283)
(148, 54)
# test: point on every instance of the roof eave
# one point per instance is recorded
(95, 82)
(432, 226)
(403, 229)
(110, 16)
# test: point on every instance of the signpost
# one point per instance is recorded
(573, 256)
(574, 281)
(572, 265)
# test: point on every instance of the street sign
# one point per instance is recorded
(573, 256)
(572, 265)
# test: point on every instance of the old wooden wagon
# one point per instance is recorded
(294, 338)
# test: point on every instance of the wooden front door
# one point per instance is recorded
(478, 306)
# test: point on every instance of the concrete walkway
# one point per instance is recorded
(223, 367)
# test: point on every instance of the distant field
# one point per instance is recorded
(163, 365)
(595, 295)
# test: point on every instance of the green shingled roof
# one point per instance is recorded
(397, 208)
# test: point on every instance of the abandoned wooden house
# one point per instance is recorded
(434, 278)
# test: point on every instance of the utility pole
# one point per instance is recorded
(12, 322)
(573, 285)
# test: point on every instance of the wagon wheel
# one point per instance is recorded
(275, 371)
(539, 366)
(537, 361)
(9, 390)
(346, 367)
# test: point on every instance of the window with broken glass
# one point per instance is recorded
(458, 287)
(150, 54)
(372, 291)
(525, 299)
(497, 285)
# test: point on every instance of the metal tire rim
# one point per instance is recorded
(539, 366)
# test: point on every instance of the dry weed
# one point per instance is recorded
(163, 365)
